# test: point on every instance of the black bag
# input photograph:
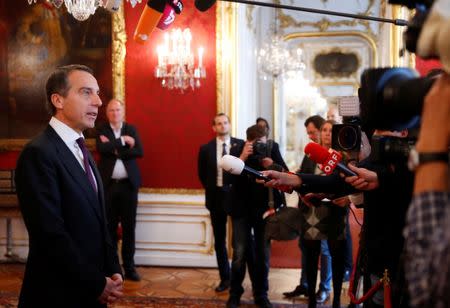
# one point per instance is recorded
(283, 224)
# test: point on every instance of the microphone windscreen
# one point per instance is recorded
(316, 152)
(149, 19)
(204, 5)
(231, 164)
(168, 17)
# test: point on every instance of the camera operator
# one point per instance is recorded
(248, 233)
(387, 190)
(427, 232)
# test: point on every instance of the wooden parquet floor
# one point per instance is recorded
(182, 283)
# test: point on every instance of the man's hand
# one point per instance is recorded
(129, 140)
(312, 199)
(266, 162)
(103, 138)
(281, 179)
(342, 201)
(246, 151)
(113, 289)
(365, 179)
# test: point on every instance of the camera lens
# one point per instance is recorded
(348, 138)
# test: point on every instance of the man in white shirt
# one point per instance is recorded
(71, 261)
(119, 145)
(218, 189)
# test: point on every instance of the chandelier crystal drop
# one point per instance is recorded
(81, 9)
(30, 2)
(176, 67)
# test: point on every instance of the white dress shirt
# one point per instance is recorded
(70, 136)
(219, 149)
(119, 171)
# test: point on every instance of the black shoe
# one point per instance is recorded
(299, 290)
(263, 302)
(132, 275)
(223, 286)
(346, 276)
(322, 296)
(233, 302)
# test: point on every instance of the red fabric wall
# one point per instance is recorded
(424, 66)
(172, 125)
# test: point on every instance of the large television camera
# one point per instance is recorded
(392, 98)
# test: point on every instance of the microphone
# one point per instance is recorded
(328, 159)
(204, 5)
(236, 166)
(149, 19)
(168, 17)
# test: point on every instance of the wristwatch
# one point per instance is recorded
(416, 158)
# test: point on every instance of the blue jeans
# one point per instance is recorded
(252, 250)
(325, 266)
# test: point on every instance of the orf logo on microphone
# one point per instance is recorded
(331, 162)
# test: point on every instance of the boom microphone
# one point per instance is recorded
(149, 19)
(236, 166)
(328, 159)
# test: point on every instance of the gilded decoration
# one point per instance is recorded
(324, 24)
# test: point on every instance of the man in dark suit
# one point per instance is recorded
(218, 189)
(119, 145)
(71, 260)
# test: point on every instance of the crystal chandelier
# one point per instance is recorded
(81, 9)
(274, 58)
(176, 62)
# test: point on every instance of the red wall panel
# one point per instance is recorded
(424, 66)
(172, 125)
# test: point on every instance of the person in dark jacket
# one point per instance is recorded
(71, 261)
(119, 147)
(250, 246)
(218, 189)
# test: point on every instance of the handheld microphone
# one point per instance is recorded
(328, 159)
(168, 17)
(149, 19)
(236, 166)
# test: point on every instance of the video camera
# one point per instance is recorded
(346, 137)
(392, 98)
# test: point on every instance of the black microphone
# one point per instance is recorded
(236, 166)
(204, 5)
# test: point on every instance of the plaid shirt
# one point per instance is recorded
(427, 245)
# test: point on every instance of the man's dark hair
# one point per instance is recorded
(219, 115)
(267, 128)
(317, 120)
(255, 132)
(58, 83)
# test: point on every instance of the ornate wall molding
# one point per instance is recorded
(119, 39)
(325, 23)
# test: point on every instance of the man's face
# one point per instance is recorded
(79, 108)
(333, 115)
(221, 126)
(115, 112)
(313, 132)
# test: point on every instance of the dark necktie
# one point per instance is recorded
(224, 149)
(87, 168)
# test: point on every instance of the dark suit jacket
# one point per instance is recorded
(207, 169)
(70, 252)
(113, 150)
